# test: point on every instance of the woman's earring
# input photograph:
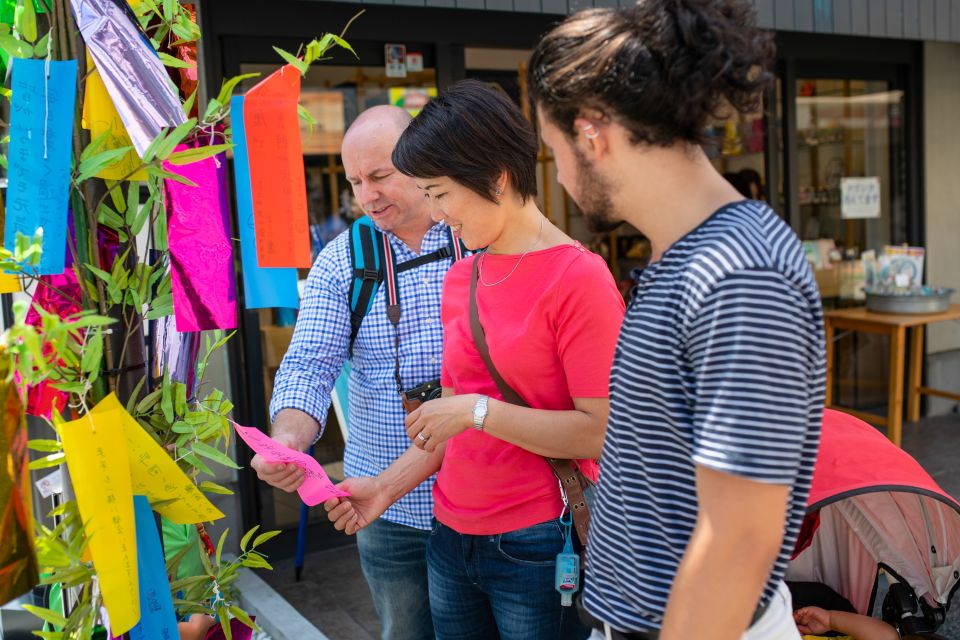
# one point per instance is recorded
(590, 132)
(499, 191)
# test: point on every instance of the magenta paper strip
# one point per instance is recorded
(316, 488)
(201, 256)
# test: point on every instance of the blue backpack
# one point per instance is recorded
(374, 262)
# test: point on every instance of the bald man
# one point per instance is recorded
(392, 550)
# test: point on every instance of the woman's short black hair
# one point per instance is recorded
(662, 69)
(471, 134)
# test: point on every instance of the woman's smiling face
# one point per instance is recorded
(473, 218)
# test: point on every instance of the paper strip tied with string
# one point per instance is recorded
(135, 78)
(201, 255)
(276, 170)
(41, 135)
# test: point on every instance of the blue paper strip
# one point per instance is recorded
(158, 621)
(263, 287)
(41, 137)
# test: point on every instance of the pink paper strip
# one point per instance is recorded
(316, 488)
(201, 256)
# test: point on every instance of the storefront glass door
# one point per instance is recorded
(850, 142)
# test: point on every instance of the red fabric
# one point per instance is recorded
(854, 455)
(552, 328)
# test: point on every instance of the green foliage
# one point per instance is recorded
(72, 354)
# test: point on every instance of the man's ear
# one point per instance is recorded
(591, 136)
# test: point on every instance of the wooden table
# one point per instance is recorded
(894, 326)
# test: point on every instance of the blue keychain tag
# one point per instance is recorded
(567, 577)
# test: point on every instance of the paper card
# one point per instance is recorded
(153, 472)
(201, 256)
(99, 116)
(316, 488)
(51, 484)
(859, 198)
(41, 138)
(158, 621)
(277, 177)
(97, 457)
(263, 287)
(18, 560)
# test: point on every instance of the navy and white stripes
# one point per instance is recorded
(720, 363)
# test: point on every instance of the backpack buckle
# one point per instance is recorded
(369, 274)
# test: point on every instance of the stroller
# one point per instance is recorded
(874, 511)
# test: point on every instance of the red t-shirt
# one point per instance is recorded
(552, 328)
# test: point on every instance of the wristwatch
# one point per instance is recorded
(480, 413)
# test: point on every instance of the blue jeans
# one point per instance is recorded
(394, 562)
(498, 586)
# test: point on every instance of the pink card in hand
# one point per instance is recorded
(317, 486)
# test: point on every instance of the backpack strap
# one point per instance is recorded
(373, 261)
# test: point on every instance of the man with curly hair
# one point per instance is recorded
(717, 387)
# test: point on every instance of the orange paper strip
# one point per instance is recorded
(276, 171)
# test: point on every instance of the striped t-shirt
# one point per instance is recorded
(720, 363)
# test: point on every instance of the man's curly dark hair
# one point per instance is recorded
(662, 68)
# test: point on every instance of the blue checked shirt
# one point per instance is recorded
(377, 435)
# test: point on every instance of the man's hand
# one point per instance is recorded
(435, 422)
(368, 500)
(287, 477)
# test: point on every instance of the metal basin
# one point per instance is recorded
(937, 301)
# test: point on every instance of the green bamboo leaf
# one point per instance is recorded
(180, 398)
(42, 48)
(344, 44)
(166, 400)
(93, 165)
(205, 450)
(223, 539)
(246, 538)
(256, 561)
(167, 175)
(212, 108)
(45, 445)
(132, 203)
(291, 59)
(148, 401)
(226, 90)
(212, 487)
(175, 137)
(92, 354)
(136, 394)
(94, 145)
(174, 63)
(224, 615)
(15, 47)
(188, 156)
(93, 320)
(47, 615)
(242, 616)
(27, 25)
(100, 273)
(53, 460)
(263, 537)
(188, 105)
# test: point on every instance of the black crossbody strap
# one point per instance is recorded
(566, 470)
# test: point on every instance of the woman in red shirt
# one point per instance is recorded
(551, 315)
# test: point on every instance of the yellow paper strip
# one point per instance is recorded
(155, 475)
(96, 453)
(9, 283)
(99, 115)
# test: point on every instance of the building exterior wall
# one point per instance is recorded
(942, 157)
(933, 20)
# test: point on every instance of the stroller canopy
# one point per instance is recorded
(872, 504)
